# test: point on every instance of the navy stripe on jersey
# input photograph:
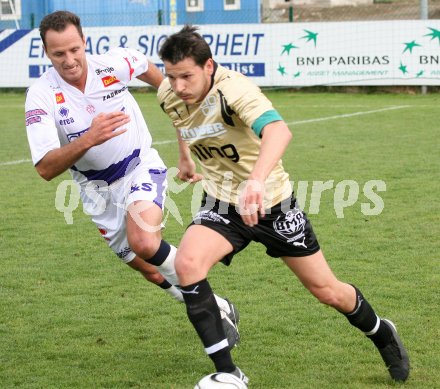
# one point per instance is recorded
(158, 176)
(113, 172)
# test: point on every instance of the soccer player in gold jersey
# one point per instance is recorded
(238, 139)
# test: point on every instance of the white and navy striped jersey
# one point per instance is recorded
(58, 113)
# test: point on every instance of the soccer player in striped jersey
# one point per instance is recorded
(81, 118)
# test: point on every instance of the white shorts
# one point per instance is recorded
(107, 204)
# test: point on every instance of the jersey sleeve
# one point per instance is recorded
(132, 62)
(250, 104)
(264, 119)
(41, 131)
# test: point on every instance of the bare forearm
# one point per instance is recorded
(276, 137)
(104, 126)
(184, 151)
(152, 76)
(57, 161)
(187, 167)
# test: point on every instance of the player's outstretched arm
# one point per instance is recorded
(186, 166)
(152, 76)
(275, 138)
(103, 128)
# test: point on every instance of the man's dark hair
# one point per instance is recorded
(59, 21)
(187, 43)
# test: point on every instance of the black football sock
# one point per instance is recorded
(163, 259)
(364, 318)
(204, 314)
(165, 284)
(172, 290)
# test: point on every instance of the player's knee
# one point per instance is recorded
(146, 247)
(185, 264)
(325, 295)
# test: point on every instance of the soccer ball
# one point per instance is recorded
(220, 381)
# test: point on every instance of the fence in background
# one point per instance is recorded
(379, 10)
(281, 13)
(296, 46)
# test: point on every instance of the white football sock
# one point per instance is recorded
(167, 268)
(175, 293)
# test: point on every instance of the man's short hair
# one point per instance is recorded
(59, 21)
(187, 43)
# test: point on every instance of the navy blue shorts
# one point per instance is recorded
(285, 230)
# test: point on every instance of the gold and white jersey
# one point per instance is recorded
(223, 132)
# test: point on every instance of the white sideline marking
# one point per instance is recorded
(348, 115)
(15, 162)
(164, 142)
(18, 162)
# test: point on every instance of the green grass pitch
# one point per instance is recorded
(73, 316)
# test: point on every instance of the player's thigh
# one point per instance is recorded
(111, 223)
(313, 270)
(144, 201)
(144, 223)
(144, 217)
(200, 248)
